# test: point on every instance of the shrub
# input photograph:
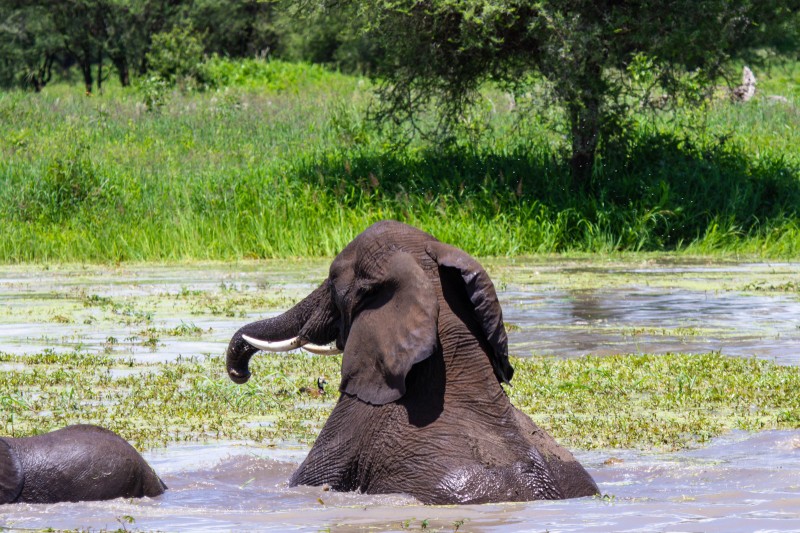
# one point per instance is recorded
(176, 56)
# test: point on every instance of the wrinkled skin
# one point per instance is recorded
(73, 464)
(422, 410)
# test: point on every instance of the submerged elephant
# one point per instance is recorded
(422, 410)
(76, 463)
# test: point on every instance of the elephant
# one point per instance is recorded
(421, 408)
(75, 463)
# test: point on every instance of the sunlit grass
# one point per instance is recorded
(282, 163)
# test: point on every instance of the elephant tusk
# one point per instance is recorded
(321, 350)
(277, 346)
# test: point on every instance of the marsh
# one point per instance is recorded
(82, 344)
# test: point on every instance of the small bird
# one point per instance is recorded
(315, 392)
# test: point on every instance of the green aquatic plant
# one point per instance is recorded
(669, 401)
(666, 401)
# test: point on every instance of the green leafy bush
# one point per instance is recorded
(176, 56)
(154, 91)
(267, 74)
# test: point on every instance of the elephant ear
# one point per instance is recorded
(394, 326)
(481, 293)
(11, 474)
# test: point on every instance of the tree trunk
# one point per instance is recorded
(100, 70)
(584, 112)
(43, 73)
(47, 73)
(584, 120)
(121, 64)
(86, 68)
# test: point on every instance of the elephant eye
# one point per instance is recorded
(361, 289)
(366, 290)
(365, 294)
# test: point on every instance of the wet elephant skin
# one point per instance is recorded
(422, 410)
(76, 463)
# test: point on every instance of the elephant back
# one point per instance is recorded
(12, 476)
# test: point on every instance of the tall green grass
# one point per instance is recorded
(280, 162)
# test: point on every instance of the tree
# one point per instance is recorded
(131, 28)
(236, 28)
(36, 33)
(598, 58)
(323, 37)
(29, 45)
(80, 24)
(126, 25)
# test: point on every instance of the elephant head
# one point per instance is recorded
(422, 409)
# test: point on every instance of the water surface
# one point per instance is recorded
(740, 482)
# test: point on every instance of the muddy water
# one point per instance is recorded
(565, 310)
(65, 309)
(740, 482)
(642, 320)
(739, 310)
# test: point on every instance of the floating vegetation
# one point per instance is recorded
(188, 399)
(651, 271)
(99, 374)
(668, 401)
(676, 332)
(182, 330)
(231, 303)
(765, 286)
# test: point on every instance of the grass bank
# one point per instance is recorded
(664, 402)
(280, 162)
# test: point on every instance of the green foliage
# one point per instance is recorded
(264, 74)
(670, 401)
(235, 28)
(323, 37)
(39, 36)
(154, 91)
(176, 56)
(279, 162)
(601, 60)
(67, 185)
(29, 43)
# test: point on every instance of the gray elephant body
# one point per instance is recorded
(76, 463)
(422, 410)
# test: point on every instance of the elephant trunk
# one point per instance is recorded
(281, 327)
